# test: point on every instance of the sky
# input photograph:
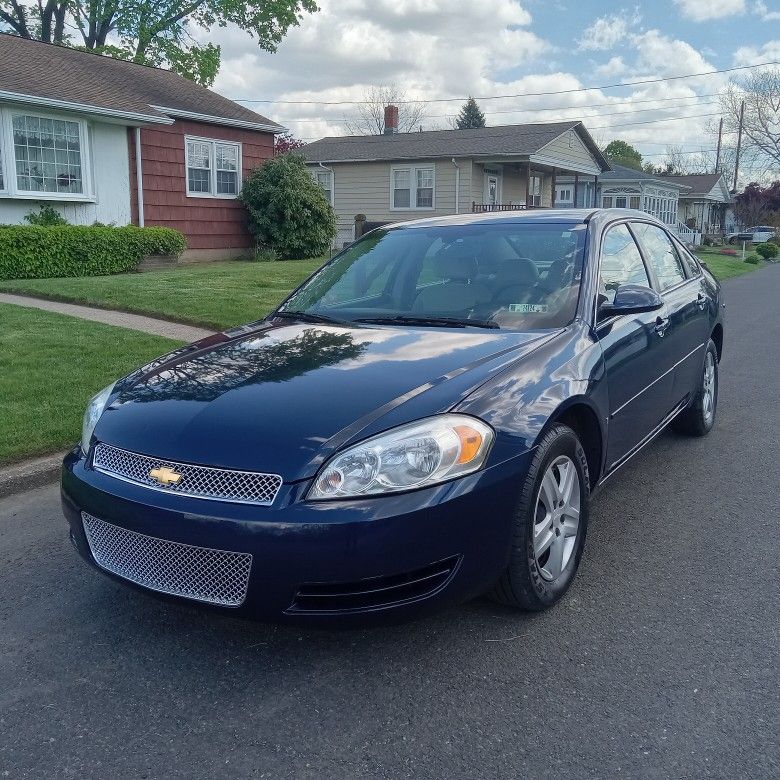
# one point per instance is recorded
(449, 49)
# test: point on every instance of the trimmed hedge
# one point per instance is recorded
(29, 252)
(767, 250)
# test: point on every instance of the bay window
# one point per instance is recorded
(213, 168)
(43, 156)
(413, 187)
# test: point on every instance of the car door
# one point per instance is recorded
(634, 351)
(685, 307)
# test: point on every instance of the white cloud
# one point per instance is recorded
(761, 9)
(752, 55)
(441, 48)
(607, 31)
(702, 10)
(615, 66)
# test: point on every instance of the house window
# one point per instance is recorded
(633, 202)
(563, 194)
(606, 201)
(325, 180)
(413, 187)
(213, 168)
(48, 154)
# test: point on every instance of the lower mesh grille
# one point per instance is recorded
(376, 592)
(200, 573)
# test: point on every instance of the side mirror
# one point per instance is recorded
(631, 299)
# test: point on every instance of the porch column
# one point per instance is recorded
(576, 182)
(552, 188)
(528, 184)
(595, 191)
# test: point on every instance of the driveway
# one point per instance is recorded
(661, 663)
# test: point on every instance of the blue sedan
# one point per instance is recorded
(424, 420)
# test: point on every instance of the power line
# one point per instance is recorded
(516, 95)
(536, 110)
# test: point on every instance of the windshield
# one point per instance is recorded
(516, 276)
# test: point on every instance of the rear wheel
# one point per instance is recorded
(699, 417)
(550, 524)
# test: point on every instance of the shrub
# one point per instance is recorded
(729, 252)
(753, 259)
(48, 216)
(31, 252)
(767, 250)
(288, 211)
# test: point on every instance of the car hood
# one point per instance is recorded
(281, 398)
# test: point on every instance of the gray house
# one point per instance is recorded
(703, 202)
(402, 176)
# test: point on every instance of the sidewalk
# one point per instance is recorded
(157, 327)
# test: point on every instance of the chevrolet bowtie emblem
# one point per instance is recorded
(165, 476)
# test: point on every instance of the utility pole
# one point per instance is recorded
(717, 153)
(739, 143)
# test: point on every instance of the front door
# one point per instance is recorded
(634, 348)
(492, 189)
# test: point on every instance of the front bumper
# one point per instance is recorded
(394, 555)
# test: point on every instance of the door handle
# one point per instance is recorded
(661, 324)
(701, 300)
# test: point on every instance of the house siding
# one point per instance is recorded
(568, 152)
(110, 175)
(213, 227)
(364, 188)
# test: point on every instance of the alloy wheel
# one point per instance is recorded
(708, 388)
(556, 517)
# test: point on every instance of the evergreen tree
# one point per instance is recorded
(470, 116)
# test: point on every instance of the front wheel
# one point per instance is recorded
(699, 417)
(549, 525)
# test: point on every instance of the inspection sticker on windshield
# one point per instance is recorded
(529, 308)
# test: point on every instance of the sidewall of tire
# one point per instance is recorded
(523, 584)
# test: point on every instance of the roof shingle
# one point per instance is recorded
(42, 70)
(477, 142)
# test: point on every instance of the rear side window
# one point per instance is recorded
(621, 262)
(661, 254)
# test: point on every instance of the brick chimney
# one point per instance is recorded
(391, 120)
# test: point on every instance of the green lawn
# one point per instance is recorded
(50, 366)
(723, 266)
(215, 295)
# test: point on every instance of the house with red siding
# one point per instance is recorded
(105, 140)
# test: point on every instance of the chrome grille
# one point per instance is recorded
(200, 573)
(248, 487)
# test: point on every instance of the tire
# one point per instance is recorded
(528, 582)
(699, 418)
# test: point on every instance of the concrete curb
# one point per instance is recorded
(28, 474)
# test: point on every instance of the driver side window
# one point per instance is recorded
(621, 262)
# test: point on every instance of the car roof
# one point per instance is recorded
(529, 217)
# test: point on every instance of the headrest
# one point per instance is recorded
(518, 271)
(454, 262)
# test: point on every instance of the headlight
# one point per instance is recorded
(410, 456)
(92, 415)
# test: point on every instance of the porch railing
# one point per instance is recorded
(483, 208)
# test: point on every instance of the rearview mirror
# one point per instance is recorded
(631, 299)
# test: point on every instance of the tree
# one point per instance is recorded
(622, 153)
(152, 32)
(470, 116)
(287, 142)
(756, 204)
(288, 211)
(760, 92)
(371, 112)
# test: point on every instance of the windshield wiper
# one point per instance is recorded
(445, 322)
(306, 316)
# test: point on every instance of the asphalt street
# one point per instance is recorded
(661, 663)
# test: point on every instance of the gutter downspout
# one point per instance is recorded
(139, 177)
(457, 186)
